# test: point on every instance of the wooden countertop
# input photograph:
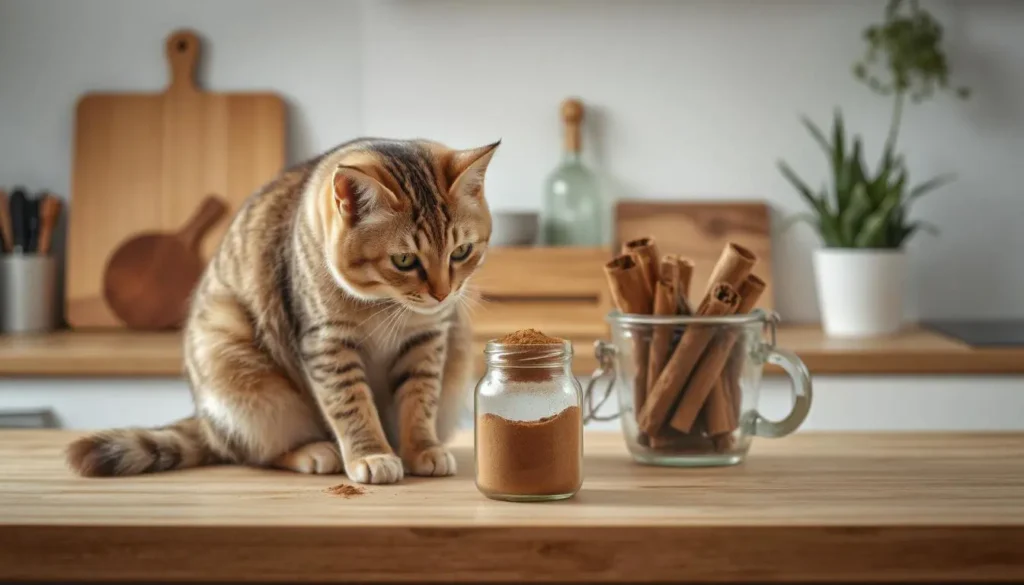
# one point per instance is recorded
(914, 351)
(852, 507)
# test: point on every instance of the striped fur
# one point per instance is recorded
(307, 347)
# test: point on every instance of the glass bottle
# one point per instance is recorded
(528, 439)
(574, 210)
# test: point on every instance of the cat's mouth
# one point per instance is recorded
(430, 305)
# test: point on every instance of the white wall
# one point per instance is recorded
(689, 99)
(699, 98)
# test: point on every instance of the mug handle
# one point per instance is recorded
(801, 386)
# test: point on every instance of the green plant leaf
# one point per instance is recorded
(927, 186)
(838, 147)
(816, 202)
(830, 233)
(873, 235)
(852, 217)
(851, 172)
(909, 230)
(818, 135)
(899, 182)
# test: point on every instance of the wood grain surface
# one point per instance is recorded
(860, 507)
(130, 353)
(145, 161)
(149, 279)
(700, 231)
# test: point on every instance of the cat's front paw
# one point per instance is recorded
(432, 461)
(383, 468)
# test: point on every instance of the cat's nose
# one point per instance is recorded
(440, 295)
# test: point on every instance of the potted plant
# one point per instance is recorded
(863, 217)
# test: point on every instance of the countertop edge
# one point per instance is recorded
(520, 553)
(69, 354)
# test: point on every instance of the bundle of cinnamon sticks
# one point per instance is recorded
(686, 387)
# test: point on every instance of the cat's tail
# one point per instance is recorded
(132, 451)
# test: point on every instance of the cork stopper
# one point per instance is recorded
(572, 117)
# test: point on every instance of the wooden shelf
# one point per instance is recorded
(812, 507)
(117, 354)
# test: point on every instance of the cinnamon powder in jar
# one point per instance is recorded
(528, 337)
(529, 459)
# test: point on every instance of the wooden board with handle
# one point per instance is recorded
(699, 230)
(145, 162)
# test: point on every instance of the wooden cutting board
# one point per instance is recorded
(699, 231)
(145, 162)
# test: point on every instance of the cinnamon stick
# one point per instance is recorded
(685, 267)
(645, 253)
(750, 291)
(668, 269)
(676, 442)
(664, 304)
(718, 411)
(628, 286)
(731, 384)
(724, 442)
(709, 371)
(732, 267)
(658, 406)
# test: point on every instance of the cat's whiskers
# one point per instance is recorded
(393, 330)
(383, 320)
(387, 305)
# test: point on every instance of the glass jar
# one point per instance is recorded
(528, 438)
(706, 414)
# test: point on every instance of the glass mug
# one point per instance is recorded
(717, 423)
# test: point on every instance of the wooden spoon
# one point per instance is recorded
(148, 280)
(7, 234)
(49, 211)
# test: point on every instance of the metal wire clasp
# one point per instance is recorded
(605, 354)
(771, 322)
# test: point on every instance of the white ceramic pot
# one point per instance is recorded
(860, 292)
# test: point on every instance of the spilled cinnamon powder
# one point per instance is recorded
(528, 337)
(345, 490)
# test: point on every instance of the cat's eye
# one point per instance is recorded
(462, 252)
(405, 261)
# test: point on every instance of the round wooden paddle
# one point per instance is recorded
(149, 278)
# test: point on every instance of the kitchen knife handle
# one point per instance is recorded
(5, 222)
(49, 211)
(19, 221)
(32, 225)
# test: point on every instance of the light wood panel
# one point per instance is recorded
(561, 291)
(911, 351)
(861, 507)
(146, 161)
(544, 274)
(700, 230)
(128, 353)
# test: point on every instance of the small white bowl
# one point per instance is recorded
(514, 228)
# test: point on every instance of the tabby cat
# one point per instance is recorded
(327, 332)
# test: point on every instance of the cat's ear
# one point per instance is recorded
(360, 197)
(465, 171)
